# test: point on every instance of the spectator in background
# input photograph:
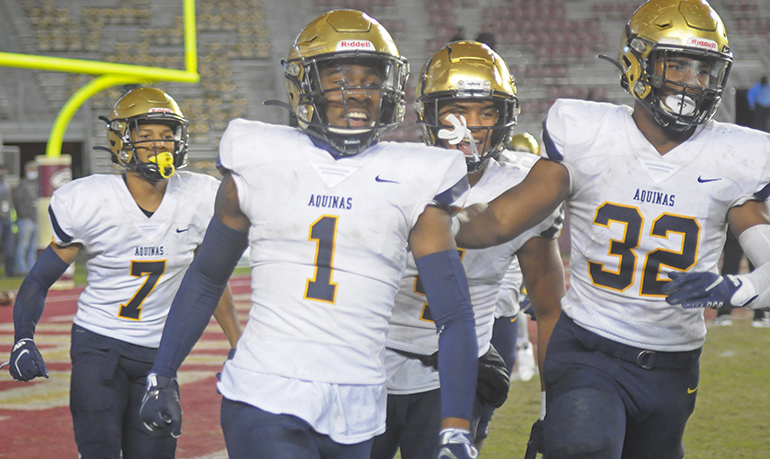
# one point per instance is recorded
(25, 197)
(759, 101)
(6, 225)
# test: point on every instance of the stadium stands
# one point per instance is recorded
(550, 44)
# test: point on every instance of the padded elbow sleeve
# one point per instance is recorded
(446, 287)
(31, 298)
(755, 242)
(199, 294)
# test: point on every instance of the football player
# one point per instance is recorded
(328, 212)
(650, 192)
(138, 233)
(466, 101)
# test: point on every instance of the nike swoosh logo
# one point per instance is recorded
(382, 180)
(692, 391)
(702, 180)
(182, 230)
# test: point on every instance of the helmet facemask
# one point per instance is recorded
(162, 164)
(675, 60)
(349, 99)
(683, 86)
(478, 149)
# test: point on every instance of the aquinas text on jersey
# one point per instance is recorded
(654, 197)
(334, 202)
(149, 251)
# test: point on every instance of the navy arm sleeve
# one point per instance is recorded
(30, 301)
(198, 295)
(446, 287)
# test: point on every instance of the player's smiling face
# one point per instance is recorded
(478, 114)
(352, 95)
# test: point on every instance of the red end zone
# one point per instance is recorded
(35, 421)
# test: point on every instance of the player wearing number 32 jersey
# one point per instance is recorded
(651, 191)
(636, 215)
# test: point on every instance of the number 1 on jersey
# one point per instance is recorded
(321, 287)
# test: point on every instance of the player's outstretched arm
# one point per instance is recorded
(195, 301)
(543, 272)
(446, 288)
(518, 209)
(26, 361)
(751, 223)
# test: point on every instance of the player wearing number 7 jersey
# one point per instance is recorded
(138, 233)
(650, 192)
(329, 213)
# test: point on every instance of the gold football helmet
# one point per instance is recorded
(525, 142)
(675, 61)
(337, 40)
(467, 70)
(147, 106)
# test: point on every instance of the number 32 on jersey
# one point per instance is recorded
(663, 227)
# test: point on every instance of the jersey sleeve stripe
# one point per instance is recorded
(550, 146)
(452, 199)
(64, 237)
(764, 193)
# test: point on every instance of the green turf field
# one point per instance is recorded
(731, 415)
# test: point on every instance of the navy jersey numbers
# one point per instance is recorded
(663, 227)
(153, 270)
(321, 288)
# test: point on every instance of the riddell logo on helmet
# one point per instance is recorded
(347, 45)
(161, 110)
(705, 43)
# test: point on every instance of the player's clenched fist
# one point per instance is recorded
(161, 408)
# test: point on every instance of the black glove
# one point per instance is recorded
(536, 441)
(26, 362)
(161, 409)
(494, 380)
(456, 444)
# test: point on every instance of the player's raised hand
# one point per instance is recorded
(703, 290)
(161, 409)
(26, 362)
(456, 444)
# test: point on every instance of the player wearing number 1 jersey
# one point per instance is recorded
(138, 234)
(329, 213)
(651, 192)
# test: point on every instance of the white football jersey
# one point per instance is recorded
(134, 263)
(328, 246)
(510, 291)
(635, 216)
(412, 328)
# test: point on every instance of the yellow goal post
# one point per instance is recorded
(110, 74)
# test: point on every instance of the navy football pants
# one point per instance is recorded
(108, 382)
(504, 335)
(252, 433)
(604, 403)
(413, 423)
